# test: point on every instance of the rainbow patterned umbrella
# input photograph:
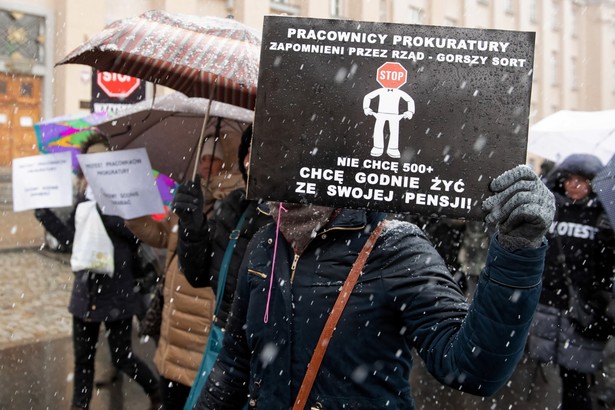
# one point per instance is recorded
(67, 133)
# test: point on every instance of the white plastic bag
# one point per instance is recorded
(92, 247)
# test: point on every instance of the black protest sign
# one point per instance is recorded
(394, 117)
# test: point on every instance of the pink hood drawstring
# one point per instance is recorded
(275, 249)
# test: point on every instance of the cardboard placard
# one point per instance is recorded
(122, 182)
(393, 117)
(42, 181)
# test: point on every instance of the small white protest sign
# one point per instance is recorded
(122, 182)
(42, 181)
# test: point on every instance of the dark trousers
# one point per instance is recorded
(575, 390)
(174, 394)
(119, 338)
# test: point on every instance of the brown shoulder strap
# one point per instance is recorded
(334, 316)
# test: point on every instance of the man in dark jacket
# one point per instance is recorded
(405, 298)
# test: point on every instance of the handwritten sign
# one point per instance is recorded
(42, 181)
(393, 117)
(122, 182)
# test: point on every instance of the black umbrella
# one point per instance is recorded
(604, 185)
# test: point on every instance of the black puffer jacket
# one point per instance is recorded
(201, 253)
(98, 297)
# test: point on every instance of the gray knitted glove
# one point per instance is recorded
(521, 208)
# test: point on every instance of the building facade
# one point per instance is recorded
(574, 64)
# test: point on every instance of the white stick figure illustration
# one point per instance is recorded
(388, 111)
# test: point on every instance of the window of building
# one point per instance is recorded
(574, 22)
(574, 74)
(383, 11)
(415, 15)
(532, 11)
(554, 68)
(450, 21)
(289, 7)
(554, 15)
(509, 6)
(22, 36)
(335, 8)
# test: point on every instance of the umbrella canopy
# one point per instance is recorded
(198, 56)
(574, 132)
(604, 186)
(169, 128)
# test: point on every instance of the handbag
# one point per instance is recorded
(92, 247)
(216, 334)
(334, 316)
(149, 325)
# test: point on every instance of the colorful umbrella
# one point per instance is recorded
(66, 133)
(209, 57)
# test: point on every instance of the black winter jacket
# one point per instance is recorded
(98, 297)
(581, 237)
(405, 298)
(201, 253)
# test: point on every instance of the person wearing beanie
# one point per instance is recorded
(582, 251)
(203, 239)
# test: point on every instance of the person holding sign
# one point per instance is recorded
(204, 240)
(294, 339)
(187, 312)
(100, 295)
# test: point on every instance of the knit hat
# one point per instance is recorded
(213, 148)
(244, 148)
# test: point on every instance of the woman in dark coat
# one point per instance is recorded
(101, 298)
(581, 249)
(405, 298)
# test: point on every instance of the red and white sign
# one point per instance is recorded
(392, 75)
(117, 85)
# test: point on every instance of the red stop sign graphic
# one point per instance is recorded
(392, 75)
(117, 85)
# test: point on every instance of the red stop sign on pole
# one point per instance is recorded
(117, 85)
(392, 75)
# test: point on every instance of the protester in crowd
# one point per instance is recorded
(405, 298)
(187, 312)
(102, 298)
(582, 251)
(203, 240)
